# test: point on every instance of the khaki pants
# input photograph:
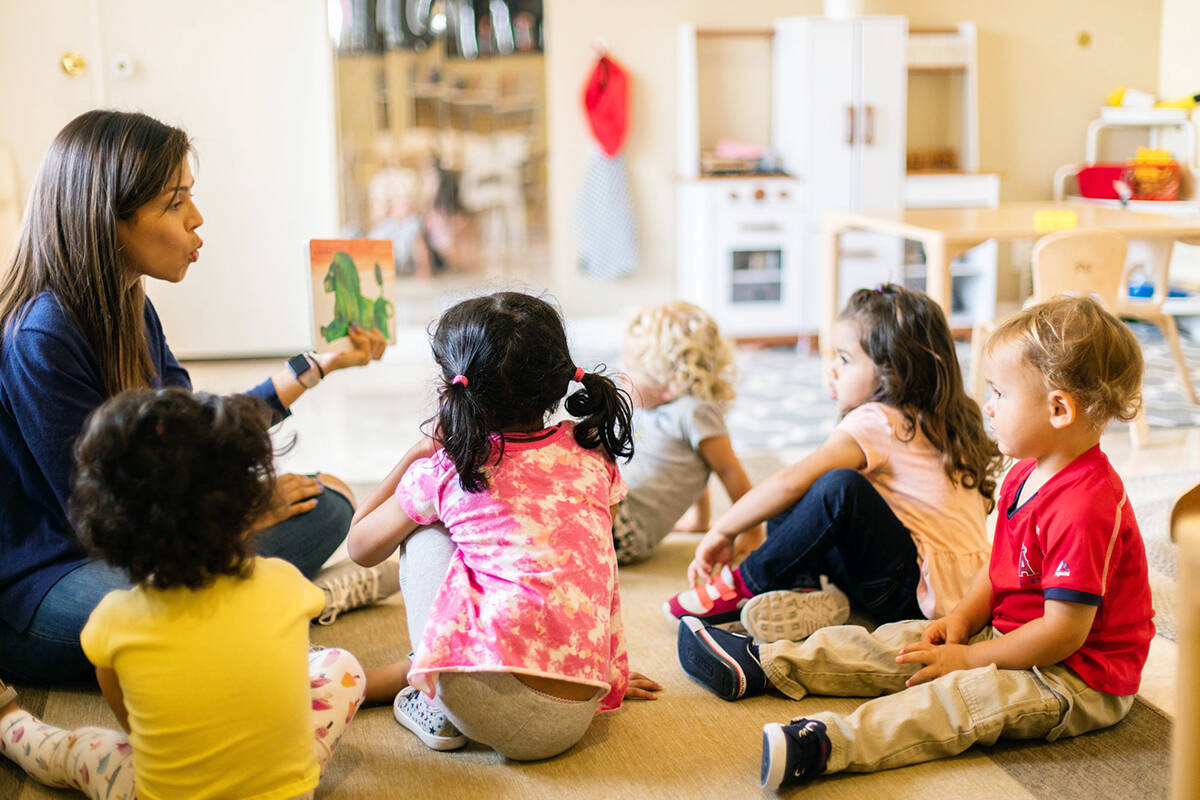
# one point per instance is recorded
(938, 718)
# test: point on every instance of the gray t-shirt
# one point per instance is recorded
(667, 473)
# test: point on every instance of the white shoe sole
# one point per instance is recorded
(774, 767)
(432, 741)
(792, 616)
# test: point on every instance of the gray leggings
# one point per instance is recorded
(492, 708)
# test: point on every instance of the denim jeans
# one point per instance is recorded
(48, 651)
(842, 528)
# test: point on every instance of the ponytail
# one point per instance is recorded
(506, 365)
(464, 431)
(606, 414)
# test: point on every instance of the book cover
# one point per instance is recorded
(352, 281)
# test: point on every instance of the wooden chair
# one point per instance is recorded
(1185, 740)
(1093, 262)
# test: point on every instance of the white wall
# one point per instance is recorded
(1179, 56)
(251, 82)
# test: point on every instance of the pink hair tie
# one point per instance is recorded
(459, 379)
(579, 373)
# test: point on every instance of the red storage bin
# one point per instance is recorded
(1097, 180)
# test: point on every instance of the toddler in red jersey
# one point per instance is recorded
(1051, 638)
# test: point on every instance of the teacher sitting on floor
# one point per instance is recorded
(111, 203)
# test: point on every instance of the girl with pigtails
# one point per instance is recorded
(504, 528)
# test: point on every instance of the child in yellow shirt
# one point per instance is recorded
(205, 660)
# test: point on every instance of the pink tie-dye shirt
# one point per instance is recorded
(532, 587)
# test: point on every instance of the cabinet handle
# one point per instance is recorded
(869, 135)
(72, 63)
(850, 125)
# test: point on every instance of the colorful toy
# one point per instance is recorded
(1133, 98)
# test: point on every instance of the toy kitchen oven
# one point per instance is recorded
(740, 250)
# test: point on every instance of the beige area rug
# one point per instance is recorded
(687, 744)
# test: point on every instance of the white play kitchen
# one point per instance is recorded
(777, 126)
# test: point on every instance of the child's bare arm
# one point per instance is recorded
(1059, 632)
(968, 617)
(777, 493)
(111, 689)
(422, 449)
(374, 537)
(781, 490)
(717, 452)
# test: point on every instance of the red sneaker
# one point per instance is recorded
(719, 600)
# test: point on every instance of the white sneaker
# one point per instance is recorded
(348, 586)
(792, 616)
(427, 720)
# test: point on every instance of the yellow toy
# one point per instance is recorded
(1133, 98)
(1056, 219)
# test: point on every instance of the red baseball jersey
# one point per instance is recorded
(1076, 540)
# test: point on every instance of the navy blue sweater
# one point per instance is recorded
(49, 384)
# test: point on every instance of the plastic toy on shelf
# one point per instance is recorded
(1160, 178)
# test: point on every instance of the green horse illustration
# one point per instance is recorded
(349, 305)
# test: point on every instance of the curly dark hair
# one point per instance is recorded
(168, 483)
(907, 337)
(505, 362)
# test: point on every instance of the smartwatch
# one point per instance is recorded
(306, 369)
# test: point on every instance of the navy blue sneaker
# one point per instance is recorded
(793, 754)
(727, 663)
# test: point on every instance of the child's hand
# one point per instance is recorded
(714, 550)
(749, 541)
(294, 494)
(950, 629)
(939, 660)
(641, 688)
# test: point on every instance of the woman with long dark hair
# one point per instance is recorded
(111, 204)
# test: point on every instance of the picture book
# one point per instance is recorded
(352, 282)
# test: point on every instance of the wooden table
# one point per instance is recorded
(947, 233)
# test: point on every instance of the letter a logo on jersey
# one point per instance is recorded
(1023, 568)
(1063, 571)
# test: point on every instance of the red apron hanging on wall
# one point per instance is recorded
(604, 224)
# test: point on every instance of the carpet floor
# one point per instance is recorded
(686, 744)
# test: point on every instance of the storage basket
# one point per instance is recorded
(1097, 180)
(1153, 181)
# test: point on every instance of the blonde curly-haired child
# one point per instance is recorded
(680, 372)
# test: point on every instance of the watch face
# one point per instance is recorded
(298, 365)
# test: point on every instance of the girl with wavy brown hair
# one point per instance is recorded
(890, 508)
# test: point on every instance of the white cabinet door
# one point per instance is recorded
(833, 116)
(36, 95)
(252, 85)
(882, 83)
